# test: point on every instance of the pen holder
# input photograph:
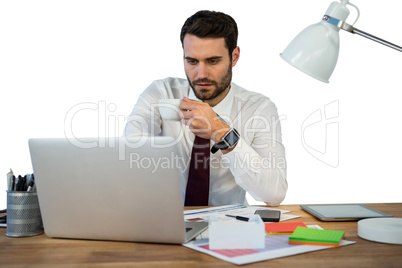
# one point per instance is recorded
(23, 214)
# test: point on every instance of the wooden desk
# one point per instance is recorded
(42, 251)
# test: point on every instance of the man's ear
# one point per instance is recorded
(235, 56)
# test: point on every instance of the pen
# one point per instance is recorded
(21, 183)
(240, 218)
(13, 183)
(18, 181)
(10, 180)
(30, 186)
(24, 185)
(34, 184)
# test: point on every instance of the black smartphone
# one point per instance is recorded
(269, 215)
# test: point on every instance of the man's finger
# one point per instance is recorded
(190, 100)
(188, 104)
(185, 114)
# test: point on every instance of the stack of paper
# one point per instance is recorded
(310, 236)
(279, 228)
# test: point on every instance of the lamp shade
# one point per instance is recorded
(314, 51)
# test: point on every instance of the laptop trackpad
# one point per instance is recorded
(194, 228)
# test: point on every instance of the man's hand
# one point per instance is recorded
(202, 120)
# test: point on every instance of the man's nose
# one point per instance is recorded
(202, 70)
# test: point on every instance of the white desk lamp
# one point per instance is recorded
(315, 50)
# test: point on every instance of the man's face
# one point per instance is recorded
(208, 67)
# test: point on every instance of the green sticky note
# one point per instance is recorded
(303, 235)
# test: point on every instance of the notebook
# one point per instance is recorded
(111, 189)
(308, 236)
(278, 228)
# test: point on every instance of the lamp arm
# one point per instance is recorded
(351, 29)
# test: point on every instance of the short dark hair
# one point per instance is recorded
(214, 24)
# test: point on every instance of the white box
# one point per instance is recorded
(237, 234)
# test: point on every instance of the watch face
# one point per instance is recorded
(231, 138)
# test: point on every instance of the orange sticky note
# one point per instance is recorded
(282, 227)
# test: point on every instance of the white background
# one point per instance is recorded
(55, 55)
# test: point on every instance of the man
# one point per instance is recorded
(241, 127)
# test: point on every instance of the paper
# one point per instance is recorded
(303, 235)
(276, 246)
(238, 210)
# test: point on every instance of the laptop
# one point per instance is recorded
(111, 189)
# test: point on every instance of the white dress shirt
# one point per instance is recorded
(257, 164)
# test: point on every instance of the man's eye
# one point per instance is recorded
(192, 62)
(213, 61)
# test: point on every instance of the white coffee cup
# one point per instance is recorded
(169, 109)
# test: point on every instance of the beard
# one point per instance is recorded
(220, 86)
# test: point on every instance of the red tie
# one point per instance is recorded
(197, 191)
